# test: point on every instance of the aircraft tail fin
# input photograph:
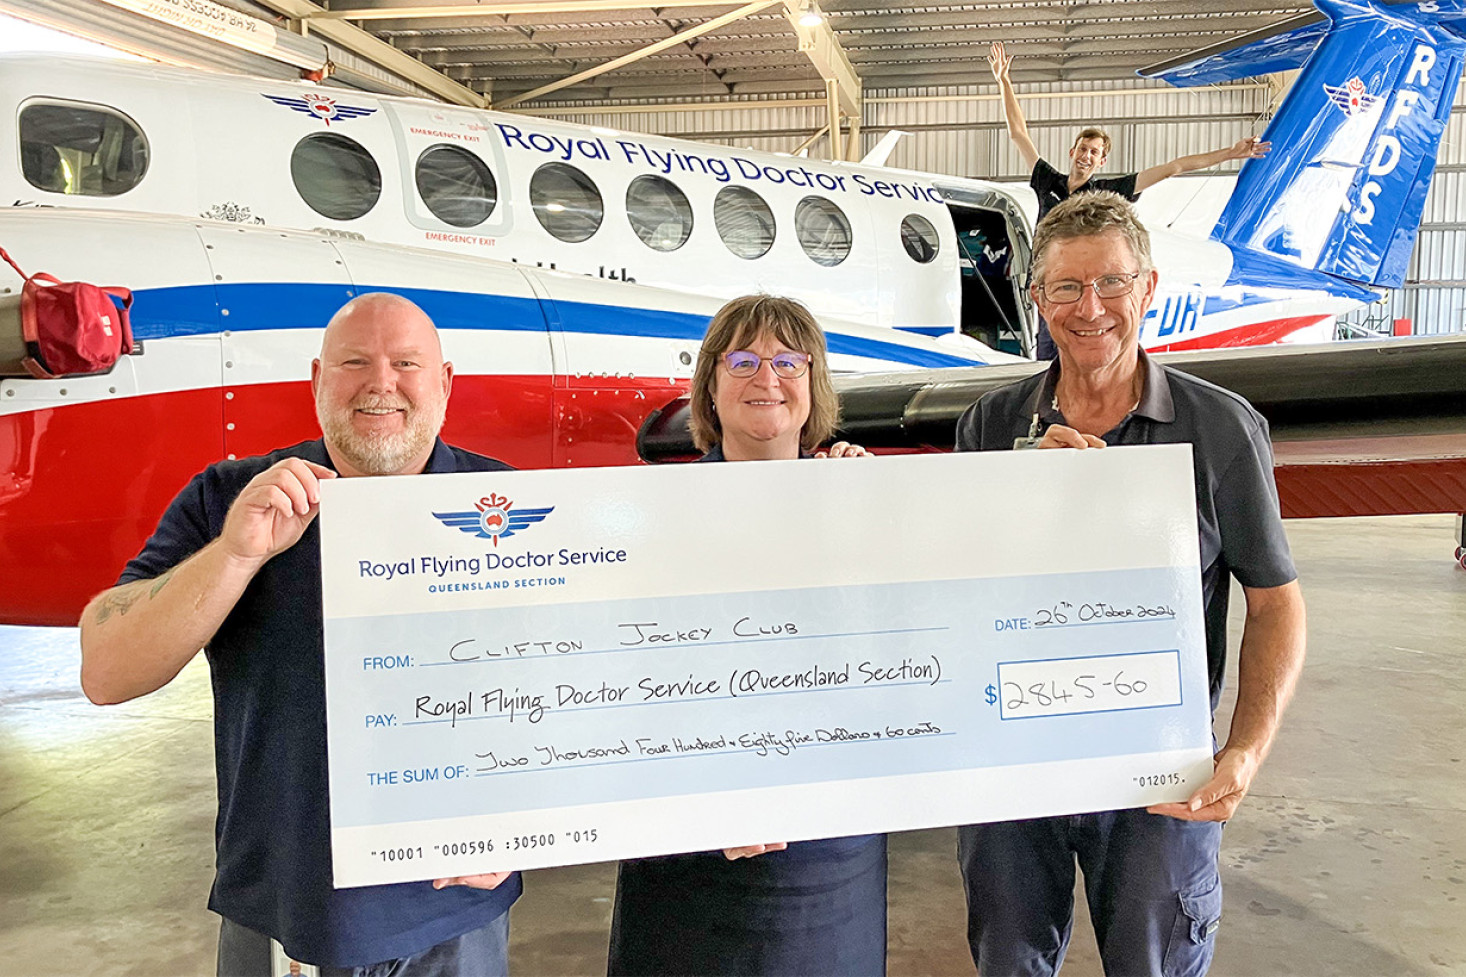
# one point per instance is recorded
(1355, 140)
(881, 151)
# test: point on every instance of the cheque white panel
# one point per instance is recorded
(540, 668)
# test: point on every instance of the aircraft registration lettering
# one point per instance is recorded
(1178, 314)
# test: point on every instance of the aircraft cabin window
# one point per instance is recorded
(919, 238)
(566, 202)
(824, 231)
(335, 175)
(456, 186)
(659, 212)
(88, 150)
(744, 222)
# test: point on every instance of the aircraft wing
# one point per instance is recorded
(1376, 428)
(1283, 46)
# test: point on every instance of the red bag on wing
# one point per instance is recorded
(71, 328)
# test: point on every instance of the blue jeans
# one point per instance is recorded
(1152, 884)
(482, 952)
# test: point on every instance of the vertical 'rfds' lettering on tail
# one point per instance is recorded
(1387, 151)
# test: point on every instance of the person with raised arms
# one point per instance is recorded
(1090, 152)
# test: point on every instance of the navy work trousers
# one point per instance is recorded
(483, 952)
(1152, 884)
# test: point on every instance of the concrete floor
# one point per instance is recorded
(1349, 858)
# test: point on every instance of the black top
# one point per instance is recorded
(273, 833)
(1236, 500)
(1052, 186)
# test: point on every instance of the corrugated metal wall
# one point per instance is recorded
(959, 130)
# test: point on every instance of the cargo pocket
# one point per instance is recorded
(1193, 936)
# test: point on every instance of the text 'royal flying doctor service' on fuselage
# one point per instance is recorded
(573, 270)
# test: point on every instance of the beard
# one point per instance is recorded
(382, 452)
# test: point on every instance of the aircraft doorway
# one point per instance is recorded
(992, 252)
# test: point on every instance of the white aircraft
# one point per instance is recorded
(930, 254)
(572, 270)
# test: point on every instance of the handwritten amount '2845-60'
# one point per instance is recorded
(1046, 694)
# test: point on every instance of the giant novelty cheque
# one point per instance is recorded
(538, 668)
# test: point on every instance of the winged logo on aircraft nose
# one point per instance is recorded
(321, 107)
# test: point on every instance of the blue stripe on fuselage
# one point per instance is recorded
(931, 332)
(194, 310)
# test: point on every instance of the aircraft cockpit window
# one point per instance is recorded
(659, 212)
(88, 150)
(335, 175)
(824, 231)
(456, 186)
(744, 222)
(919, 238)
(566, 202)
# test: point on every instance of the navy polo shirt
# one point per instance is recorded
(272, 836)
(1052, 187)
(1236, 500)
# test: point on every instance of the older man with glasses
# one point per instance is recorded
(1151, 875)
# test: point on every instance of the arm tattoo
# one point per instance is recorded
(120, 600)
(161, 582)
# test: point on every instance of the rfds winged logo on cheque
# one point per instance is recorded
(493, 517)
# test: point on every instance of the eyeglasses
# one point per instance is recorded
(1105, 286)
(745, 363)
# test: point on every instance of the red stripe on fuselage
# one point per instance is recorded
(1254, 334)
(82, 486)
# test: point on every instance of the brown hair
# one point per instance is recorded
(740, 323)
(1088, 215)
(1093, 132)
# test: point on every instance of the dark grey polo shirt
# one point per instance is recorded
(1236, 500)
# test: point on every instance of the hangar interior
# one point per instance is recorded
(752, 76)
(1348, 856)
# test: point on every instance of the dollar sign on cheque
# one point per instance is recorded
(992, 694)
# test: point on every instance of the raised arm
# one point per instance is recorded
(137, 636)
(1000, 61)
(1252, 147)
(1268, 665)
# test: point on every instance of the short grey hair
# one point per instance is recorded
(1088, 215)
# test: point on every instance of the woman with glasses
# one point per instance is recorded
(761, 391)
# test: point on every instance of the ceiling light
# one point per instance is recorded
(811, 18)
